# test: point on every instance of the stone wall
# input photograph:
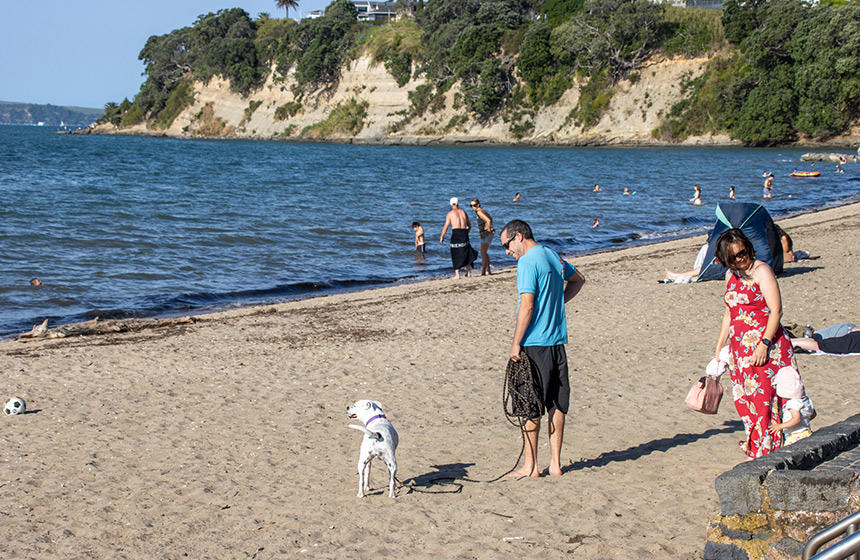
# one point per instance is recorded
(771, 506)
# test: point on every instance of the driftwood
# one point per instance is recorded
(95, 326)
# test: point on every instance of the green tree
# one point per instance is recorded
(557, 12)
(827, 71)
(223, 44)
(614, 34)
(740, 18)
(536, 61)
(766, 113)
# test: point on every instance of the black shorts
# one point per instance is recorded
(549, 366)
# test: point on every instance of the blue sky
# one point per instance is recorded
(85, 53)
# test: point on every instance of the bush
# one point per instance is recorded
(594, 98)
(484, 95)
(559, 11)
(396, 45)
(536, 61)
(692, 31)
(287, 110)
(420, 98)
(181, 97)
(132, 117)
(706, 106)
(522, 128)
(346, 118)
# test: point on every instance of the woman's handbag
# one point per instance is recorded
(705, 395)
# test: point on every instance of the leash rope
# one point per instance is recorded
(520, 402)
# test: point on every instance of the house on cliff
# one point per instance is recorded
(370, 11)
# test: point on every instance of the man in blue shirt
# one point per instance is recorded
(545, 283)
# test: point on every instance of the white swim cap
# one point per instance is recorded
(454, 201)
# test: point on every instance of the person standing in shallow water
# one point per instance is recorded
(545, 282)
(486, 231)
(462, 254)
(767, 191)
(697, 195)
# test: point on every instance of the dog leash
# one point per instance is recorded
(519, 402)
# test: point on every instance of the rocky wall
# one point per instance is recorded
(771, 506)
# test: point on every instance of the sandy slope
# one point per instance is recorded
(227, 438)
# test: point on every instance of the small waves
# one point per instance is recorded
(132, 227)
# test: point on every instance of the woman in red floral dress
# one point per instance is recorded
(758, 345)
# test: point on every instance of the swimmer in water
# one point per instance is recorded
(732, 192)
(516, 197)
(697, 196)
(595, 223)
(596, 188)
(626, 191)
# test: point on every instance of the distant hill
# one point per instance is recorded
(50, 115)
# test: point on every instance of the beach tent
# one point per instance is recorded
(756, 224)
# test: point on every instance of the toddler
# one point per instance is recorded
(798, 409)
(419, 237)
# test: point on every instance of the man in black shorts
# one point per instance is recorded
(545, 282)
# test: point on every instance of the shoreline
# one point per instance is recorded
(229, 432)
(841, 143)
(137, 316)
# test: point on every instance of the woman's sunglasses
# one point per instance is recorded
(742, 254)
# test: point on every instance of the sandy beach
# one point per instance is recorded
(226, 437)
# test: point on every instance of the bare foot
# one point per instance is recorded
(551, 471)
(520, 473)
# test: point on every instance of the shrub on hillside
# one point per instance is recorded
(346, 118)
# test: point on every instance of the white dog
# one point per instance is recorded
(380, 440)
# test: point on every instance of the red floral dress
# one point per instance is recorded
(752, 390)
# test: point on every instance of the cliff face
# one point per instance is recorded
(274, 112)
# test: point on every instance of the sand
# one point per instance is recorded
(226, 437)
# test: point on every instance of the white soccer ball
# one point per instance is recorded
(14, 406)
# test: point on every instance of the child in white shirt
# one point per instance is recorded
(798, 409)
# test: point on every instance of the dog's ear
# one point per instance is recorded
(367, 404)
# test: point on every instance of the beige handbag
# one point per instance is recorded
(705, 395)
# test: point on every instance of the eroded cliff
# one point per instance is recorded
(369, 106)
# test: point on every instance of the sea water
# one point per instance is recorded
(118, 226)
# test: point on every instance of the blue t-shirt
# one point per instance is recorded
(543, 273)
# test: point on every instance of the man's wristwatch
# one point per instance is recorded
(767, 342)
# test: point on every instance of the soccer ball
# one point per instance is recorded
(14, 406)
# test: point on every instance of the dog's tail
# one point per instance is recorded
(375, 435)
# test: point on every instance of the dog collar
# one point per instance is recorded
(377, 417)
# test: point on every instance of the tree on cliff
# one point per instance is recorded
(287, 4)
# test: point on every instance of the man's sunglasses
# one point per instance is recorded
(508, 243)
